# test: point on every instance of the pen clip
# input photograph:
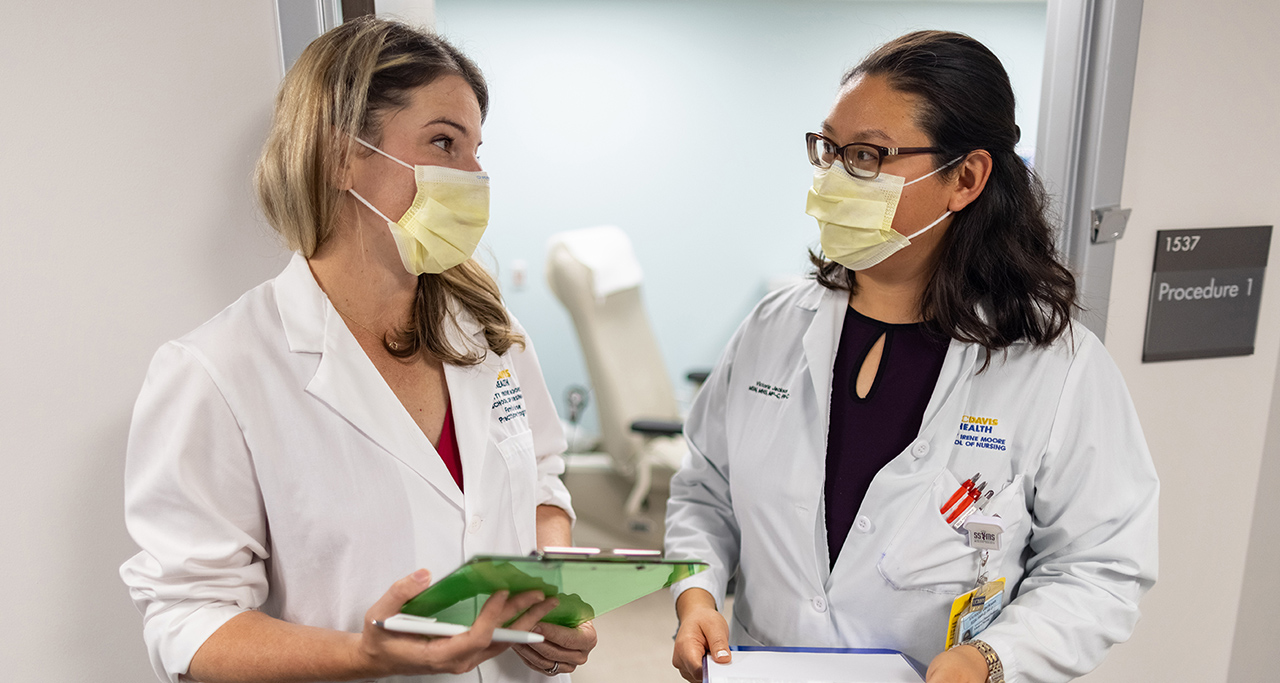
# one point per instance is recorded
(567, 550)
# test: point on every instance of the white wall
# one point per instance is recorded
(1257, 629)
(1202, 153)
(418, 12)
(128, 132)
(681, 121)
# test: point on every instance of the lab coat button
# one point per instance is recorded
(819, 604)
(862, 524)
(475, 524)
(920, 449)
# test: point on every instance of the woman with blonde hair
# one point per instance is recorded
(297, 465)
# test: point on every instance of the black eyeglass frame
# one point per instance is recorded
(811, 140)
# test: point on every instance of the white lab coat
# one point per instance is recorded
(1074, 480)
(271, 467)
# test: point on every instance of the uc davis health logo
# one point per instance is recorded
(979, 432)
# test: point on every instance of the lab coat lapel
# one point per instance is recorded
(950, 393)
(471, 396)
(347, 381)
(819, 342)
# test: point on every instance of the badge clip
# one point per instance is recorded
(984, 532)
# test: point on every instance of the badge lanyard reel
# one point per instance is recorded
(975, 610)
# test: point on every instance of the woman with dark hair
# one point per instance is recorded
(924, 420)
(302, 464)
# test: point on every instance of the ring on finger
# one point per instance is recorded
(555, 668)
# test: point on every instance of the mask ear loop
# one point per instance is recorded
(921, 231)
(936, 170)
(371, 207)
(408, 166)
(366, 201)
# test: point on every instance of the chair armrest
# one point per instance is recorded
(657, 427)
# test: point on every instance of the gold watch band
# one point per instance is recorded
(995, 670)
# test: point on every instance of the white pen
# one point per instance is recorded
(976, 508)
(426, 626)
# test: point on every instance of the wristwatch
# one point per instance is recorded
(995, 670)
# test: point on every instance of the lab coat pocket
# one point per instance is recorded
(738, 634)
(926, 554)
(1010, 505)
(522, 473)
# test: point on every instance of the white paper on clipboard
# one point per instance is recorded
(798, 666)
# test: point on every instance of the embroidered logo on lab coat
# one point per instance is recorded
(980, 432)
(770, 390)
(508, 401)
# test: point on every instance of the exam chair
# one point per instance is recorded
(594, 273)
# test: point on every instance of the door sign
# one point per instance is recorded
(1206, 291)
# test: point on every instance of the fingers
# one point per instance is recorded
(497, 610)
(564, 650)
(521, 603)
(475, 645)
(565, 645)
(454, 654)
(687, 659)
(718, 642)
(555, 653)
(536, 661)
(963, 663)
(701, 632)
(493, 614)
(400, 592)
(533, 615)
(581, 638)
(389, 652)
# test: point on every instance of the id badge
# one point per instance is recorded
(974, 611)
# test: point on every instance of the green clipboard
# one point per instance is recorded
(586, 582)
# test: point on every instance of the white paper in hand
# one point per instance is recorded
(756, 666)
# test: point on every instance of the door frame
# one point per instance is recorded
(1091, 55)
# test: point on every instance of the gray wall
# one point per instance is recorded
(1257, 628)
(127, 135)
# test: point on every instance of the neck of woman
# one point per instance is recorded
(365, 280)
(890, 294)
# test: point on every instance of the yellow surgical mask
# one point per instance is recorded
(444, 224)
(855, 216)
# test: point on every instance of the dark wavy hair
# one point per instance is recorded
(998, 279)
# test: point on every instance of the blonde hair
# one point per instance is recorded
(341, 87)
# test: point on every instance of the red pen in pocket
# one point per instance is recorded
(964, 488)
(970, 497)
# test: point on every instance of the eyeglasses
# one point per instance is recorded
(860, 159)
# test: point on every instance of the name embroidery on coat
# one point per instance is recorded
(770, 390)
(508, 398)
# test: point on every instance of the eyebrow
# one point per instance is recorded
(448, 122)
(870, 133)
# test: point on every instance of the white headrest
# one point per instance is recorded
(606, 252)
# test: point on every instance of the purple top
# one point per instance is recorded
(864, 434)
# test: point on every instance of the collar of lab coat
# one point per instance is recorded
(304, 309)
(823, 336)
(348, 382)
(820, 341)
